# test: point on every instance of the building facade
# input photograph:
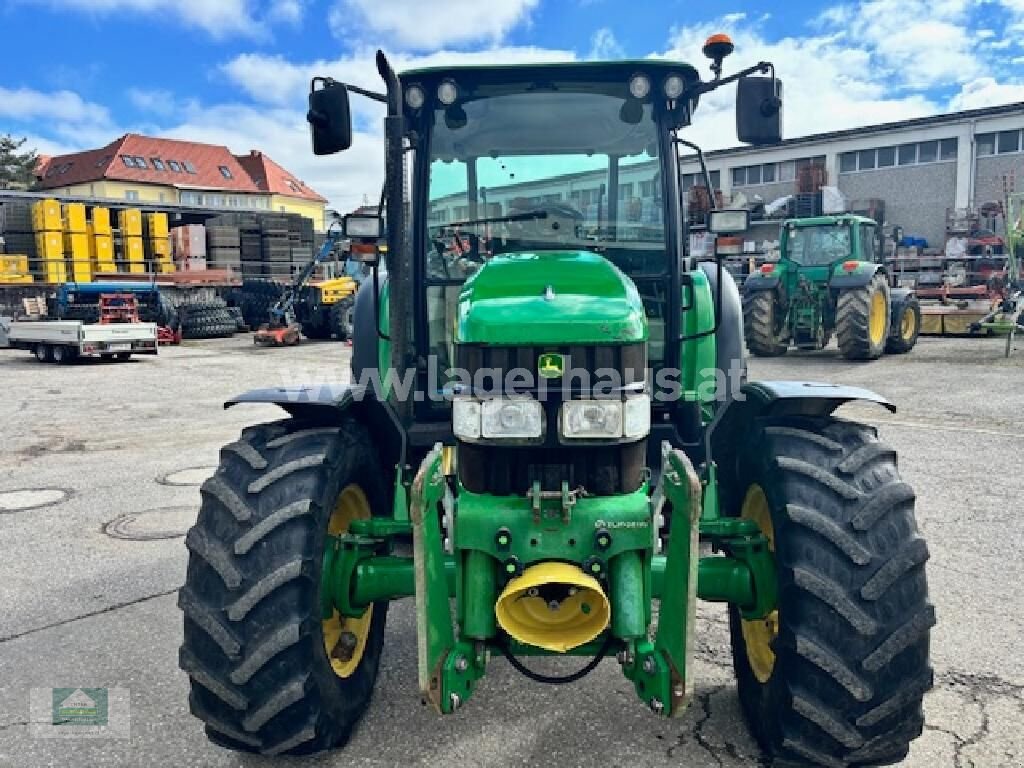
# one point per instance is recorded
(153, 170)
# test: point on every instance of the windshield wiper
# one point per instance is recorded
(525, 216)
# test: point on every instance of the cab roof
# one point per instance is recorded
(569, 70)
(828, 221)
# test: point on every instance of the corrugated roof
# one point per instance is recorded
(271, 177)
(174, 163)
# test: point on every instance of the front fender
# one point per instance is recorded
(758, 282)
(327, 402)
(760, 400)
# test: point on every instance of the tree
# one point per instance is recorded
(16, 168)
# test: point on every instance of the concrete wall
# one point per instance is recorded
(916, 197)
(988, 181)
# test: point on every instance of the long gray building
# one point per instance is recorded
(919, 168)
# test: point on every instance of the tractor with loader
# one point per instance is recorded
(556, 413)
(829, 280)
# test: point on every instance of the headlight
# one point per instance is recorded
(636, 416)
(674, 86)
(447, 92)
(606, 419)
(501, 419)
(592, 419)
(512, 419)
(639, 86)
(466, 419)
(415, 97)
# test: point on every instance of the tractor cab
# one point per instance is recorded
(829, 241)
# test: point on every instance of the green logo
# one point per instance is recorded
(80, 706)
(551, 365)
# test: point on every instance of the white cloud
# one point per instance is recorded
(986, 92)
(419, 26)
(287, 11)
(26, 104)
(603, 45)
(155, 101)
(218, 18)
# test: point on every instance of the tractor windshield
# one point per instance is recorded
(556, 167)
(818, 245)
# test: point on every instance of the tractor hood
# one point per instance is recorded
(550, 297)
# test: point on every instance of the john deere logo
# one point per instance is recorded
(551, 365)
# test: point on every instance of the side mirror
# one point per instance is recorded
(732, 222)
(329, 118)
(759, 110)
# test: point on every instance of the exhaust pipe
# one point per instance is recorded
(555, 606)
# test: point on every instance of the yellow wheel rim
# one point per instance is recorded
(345, 638)
(908, 324)
(877, 319)
(759, 634)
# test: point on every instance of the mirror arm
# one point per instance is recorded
(763, 67)
(381, 97)
(703, 167)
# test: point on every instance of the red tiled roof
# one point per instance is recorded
(271, 177)
(247, 173)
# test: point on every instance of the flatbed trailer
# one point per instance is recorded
(63, 341)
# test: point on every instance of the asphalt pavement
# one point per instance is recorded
(99, 473)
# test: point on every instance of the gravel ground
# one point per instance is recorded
(98, 456)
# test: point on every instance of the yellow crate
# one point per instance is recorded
(135, 255)
(165, 267)
(129, 221)
(15, 279)
(156, 223)
(74, 218)
(46, 216)
(160, 250)
(76, 249)
(101, 221)
(101, 253)
(13, 264)
(50, 245)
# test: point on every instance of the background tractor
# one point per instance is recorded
(556, 412)
(829, 280)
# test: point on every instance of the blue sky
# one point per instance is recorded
(79, 73)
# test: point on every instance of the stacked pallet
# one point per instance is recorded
(133, 252)
(158, 243)
(188, 245)
(49, 229)
(19, 239)
(275, 246)
(223, 247)
(101, 241)
(76, 242)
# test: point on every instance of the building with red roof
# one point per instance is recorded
(153, 170)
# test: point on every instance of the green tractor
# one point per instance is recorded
(829, 280)
(550, 402)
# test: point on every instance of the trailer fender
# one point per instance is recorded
(733, 426)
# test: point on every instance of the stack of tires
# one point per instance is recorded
(206, 320)
(256, 298)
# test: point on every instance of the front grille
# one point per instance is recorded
(601, 470)
(628, 361)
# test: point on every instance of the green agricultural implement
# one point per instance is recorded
(829, 280)
(550, 402)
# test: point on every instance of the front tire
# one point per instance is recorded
(862, 320)
(761, 325)
(262, 678)
(904, 337)
(836, 676)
